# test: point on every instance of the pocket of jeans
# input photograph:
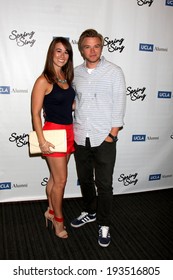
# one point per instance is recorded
(107, 143)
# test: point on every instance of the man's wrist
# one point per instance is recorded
(114, 138)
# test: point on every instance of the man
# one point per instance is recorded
(100, 107)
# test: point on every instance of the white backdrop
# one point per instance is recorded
(138, 37)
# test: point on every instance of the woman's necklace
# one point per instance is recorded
(61, 81)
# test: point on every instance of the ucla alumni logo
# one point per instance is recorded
(5, 186)
(146, 47)
(164, 94)
(4, 90)
(151, 48)
(154, 177)
(169, 3)
(138, 137)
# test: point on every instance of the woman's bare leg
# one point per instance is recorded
(58, 169)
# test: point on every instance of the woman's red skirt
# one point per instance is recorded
(70, 138)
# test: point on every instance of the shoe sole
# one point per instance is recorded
(103, 245)
(77, 226)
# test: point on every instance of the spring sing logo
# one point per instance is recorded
(19, 140)
(145, 2)
(136, 94)
(23, 39)
(114, 45)
(127, 180)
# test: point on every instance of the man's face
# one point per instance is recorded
(91, 50)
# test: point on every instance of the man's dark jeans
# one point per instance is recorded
(95, 166)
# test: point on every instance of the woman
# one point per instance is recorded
(53, 93)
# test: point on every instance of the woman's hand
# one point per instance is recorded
(45, 148)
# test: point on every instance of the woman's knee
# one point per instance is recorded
(60, 182)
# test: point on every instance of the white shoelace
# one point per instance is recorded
(83, 214)
(104, 231)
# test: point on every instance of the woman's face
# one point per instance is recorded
(60, 55)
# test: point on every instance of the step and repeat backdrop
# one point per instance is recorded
(138, 37)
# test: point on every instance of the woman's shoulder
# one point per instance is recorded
(43, 84)
(42, 80)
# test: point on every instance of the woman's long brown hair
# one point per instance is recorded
(68, 69)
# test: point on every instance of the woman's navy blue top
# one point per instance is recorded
(58, 105)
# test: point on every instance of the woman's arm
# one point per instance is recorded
(40, 88)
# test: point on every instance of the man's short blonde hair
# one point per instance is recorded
(89, 33)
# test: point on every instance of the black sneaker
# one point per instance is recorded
(104, 236)
(83, 219)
